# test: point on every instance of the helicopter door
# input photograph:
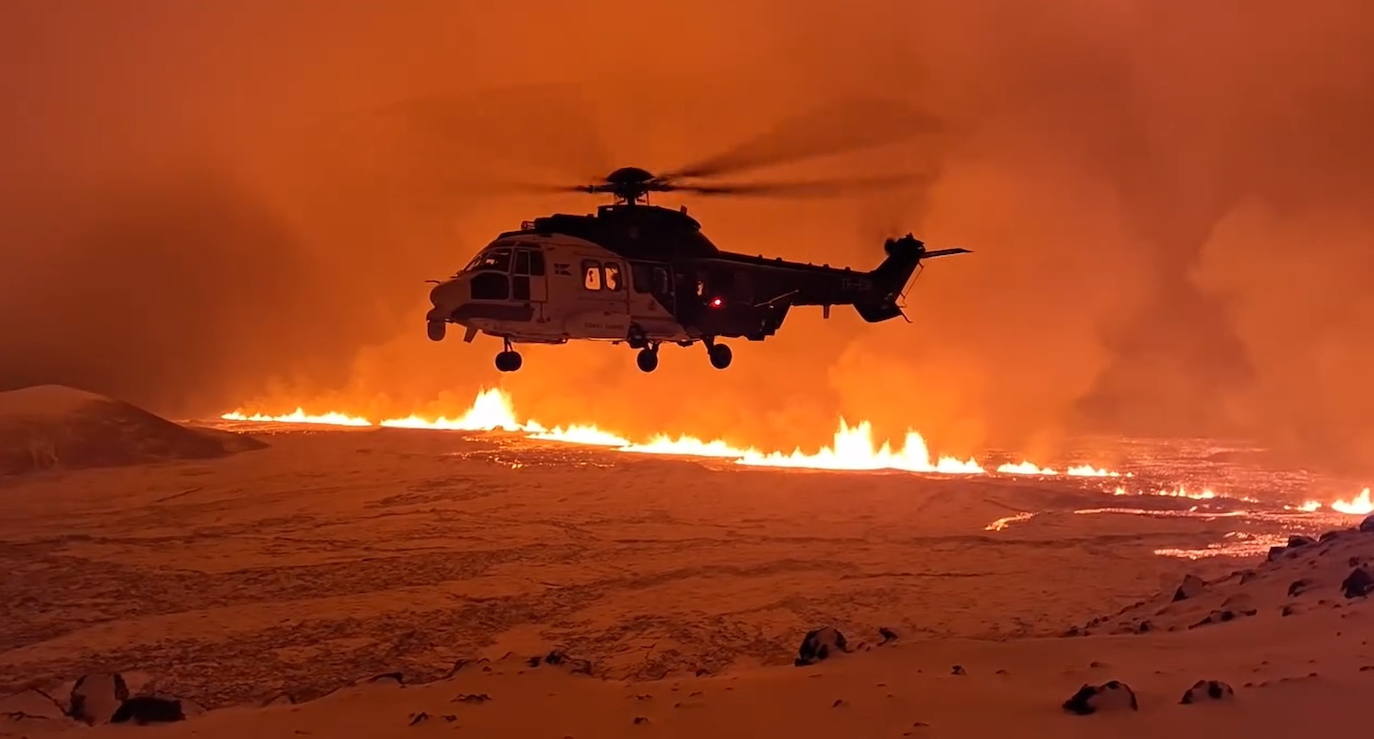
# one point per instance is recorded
(527, 277)
(603, 308)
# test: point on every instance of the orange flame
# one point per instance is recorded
(852, 447)
(1359, 505)
(300, 416)
(1025, 468)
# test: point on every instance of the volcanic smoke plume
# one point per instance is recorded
(211, 203)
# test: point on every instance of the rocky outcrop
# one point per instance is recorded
(1207, 690)
(149, 709)
(820, 644)
(1112, 695)
(1358, 584)
(1191, 586)
(96, 697)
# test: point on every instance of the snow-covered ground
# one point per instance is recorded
(337, 554)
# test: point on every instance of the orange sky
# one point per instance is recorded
(211, 203)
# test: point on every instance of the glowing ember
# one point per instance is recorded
(1309, 506)
(300, 416)
(1025, 468)
(1360, 505)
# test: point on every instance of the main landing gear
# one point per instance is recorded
(647, 358)
(508, 360)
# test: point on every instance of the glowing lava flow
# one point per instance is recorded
(1359, 505)
(852, 448)
(300, 416)
(490, 411)
(1025, 468)
(1087, 470)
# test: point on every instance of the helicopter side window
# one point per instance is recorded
(611, 271)
(536, 263)
(591, 274)
(522, 262)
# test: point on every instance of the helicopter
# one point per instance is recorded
(645, 275)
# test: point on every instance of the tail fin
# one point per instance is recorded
(904, 255)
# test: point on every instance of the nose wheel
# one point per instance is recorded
(719, 354)
(508, 360)
(647, 358)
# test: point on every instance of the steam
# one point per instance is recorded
(216, 204)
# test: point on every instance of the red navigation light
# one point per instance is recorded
(717, 302)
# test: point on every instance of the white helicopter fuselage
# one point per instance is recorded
(551, 288)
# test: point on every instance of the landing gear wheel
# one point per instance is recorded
(508, 361)
(647, 359)
(435, 330)
(720, 355)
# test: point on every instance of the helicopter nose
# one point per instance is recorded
(449, 292)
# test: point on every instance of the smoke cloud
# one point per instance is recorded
(223, 203)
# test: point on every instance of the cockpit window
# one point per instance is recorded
(496, 260)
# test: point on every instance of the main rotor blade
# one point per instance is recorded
(834, 129)
(803, 188)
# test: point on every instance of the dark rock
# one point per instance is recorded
(388, 677)
(839, 703)
(1222, 616)
(450, 717)
(1358, 584)
(1297, 587)
(641, 720)
(886, 635)
(1189, 588)
(1298, 540)
(96, 697)
(1289, 609)
(1109, 696)
(1208, 690)
(1143, 627)
(1329, 535)
(1247, 576)
(820, 644)
(1367, 525)
(149, 709)
(418, 718)
(1275, 553)
(471, 698)
(558, 657)
(957, 670)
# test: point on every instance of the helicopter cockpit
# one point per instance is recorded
(502, 271)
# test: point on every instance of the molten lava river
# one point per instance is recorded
(1258, 504)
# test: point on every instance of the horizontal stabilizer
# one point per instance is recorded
(944, 253)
